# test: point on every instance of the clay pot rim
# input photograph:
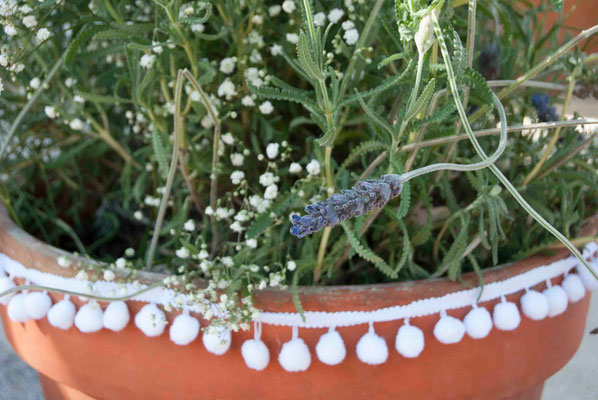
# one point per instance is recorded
(9, 231)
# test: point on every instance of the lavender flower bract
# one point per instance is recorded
(361, 199)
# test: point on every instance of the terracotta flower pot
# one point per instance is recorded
(129, 365)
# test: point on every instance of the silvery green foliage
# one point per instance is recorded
(349, 203)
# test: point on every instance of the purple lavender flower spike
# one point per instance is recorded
(361, 199)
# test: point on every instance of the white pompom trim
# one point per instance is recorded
(255, 352)
(371, 348)
(449, 330)
(184, 329)
(217, 340)
(331, 348)
(90, 317)
(294, 355)
(62, 314)
(410, 340)
(574, 287)
(151, 320)
(506, 315)
(534, 305)
(37, 304)
(116, 316)
(478, 322)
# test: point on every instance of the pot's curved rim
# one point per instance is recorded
(34, 253)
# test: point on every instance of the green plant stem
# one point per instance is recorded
(25, 110)
(555, 137)
(478, 148)
(539, 67)
(178, 93)
(78, 294)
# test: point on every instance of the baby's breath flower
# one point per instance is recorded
(295, 168)
(43, 34)
(64, 261)
(288, 6)
(182, 253)
(348, 25)
(266, 108)
(251, 243)
(292, 38)
(335, 15)
(147, 60)
(34, 83)
(247, 101)
(351, 36)
(227, 65)
(266, 179)
(120, 263)
(29, 21)
(276, 49)
(291, 265)
(236, 177)
(76, 124)
(227, 89)
(189, 225)
(272, 150)
(257, 19)
(209, 210)
(197, 28)
(274, 11)
(271, 192)
(228, 138)
(10, 30)
(236, 227)
(313, 168)
(237, 159)
(109, 275)
(319, 19)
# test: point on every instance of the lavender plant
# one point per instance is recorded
(186, 138)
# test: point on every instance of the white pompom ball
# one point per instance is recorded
(151, 320)
(294, 356)
(37, 304)
(62, 314)
(16, 308)
(116, 316)
(478, 323)
(256, 354)
(331, 348)
(217, 341)
(506, 316)
(89, 318)
(557, 300)
(372, 349)
(449, 330)
(588, 279)
(6, 284)
(410, 341)
(184, 329)
(573, 285)
(534, 305)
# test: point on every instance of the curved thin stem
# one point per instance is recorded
(85, 295)
(487, 161)
(171, 171)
